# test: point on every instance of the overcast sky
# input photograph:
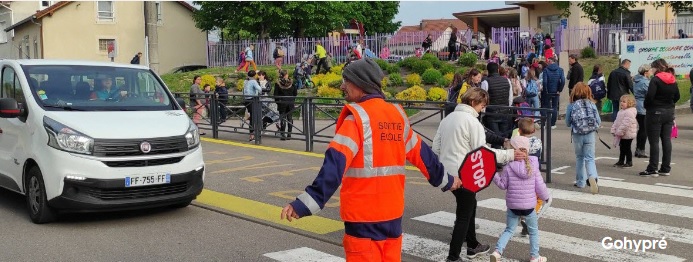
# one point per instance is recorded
(412, 12)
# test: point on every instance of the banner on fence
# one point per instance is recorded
(677, 52)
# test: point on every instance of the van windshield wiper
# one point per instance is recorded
(65, 107)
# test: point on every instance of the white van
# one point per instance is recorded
(85, 136)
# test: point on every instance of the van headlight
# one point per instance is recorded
(64, 138)
(192, 136)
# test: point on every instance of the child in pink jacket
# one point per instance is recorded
(625, 129)
(523, 183)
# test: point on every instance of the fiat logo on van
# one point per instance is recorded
(146, 147)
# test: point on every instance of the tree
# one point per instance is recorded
(602, 12)
(293, 18)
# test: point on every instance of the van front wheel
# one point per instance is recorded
(39, 211)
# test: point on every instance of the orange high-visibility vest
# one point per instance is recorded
(373, 184)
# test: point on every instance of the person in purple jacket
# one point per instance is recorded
(524, 183)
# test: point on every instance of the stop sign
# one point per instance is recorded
(478, 169)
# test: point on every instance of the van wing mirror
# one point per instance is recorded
(9, 108)
(181, 102)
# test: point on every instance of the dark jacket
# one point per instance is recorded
(498, 90)
(553, 80)
(663, 92)
(575, 75)
(619, 84)
(427, 43)
(135, 60)
(223, 94)
(285, 88)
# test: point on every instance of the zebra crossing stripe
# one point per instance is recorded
(303, 254)
(654, 231)
(585, 248)
(429, 249)
(646, 188)
(625, 203)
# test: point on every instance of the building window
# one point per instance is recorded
(159, 17)
(3, 34)
(549, 24)
(103, 44)
(45, 4)
(105, 12)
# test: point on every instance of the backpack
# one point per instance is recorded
(520, 104)
(532, 89)
(280, 52)
(583, 117)
(598, 89)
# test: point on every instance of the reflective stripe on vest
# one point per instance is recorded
(367, 137)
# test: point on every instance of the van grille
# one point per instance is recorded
(143, 163)
(137, 192)
(131, 147)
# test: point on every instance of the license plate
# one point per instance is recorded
(149, 179)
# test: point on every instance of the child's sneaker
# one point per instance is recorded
(495, 257)
(538, 259)
(627, 165)
(592, 182)
(524, 232)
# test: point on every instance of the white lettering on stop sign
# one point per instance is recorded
(478, 169)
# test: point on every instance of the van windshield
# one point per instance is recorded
(96, 88)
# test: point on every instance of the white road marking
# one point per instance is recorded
(303, 254)
(674, 186)
(429, 249)
(625, 203)
(586, 248)
(648, 161)
(605, 157)
(646, 188)
(556, 170)
(610, 178)
(655, 231)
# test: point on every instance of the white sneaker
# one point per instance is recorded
(553, 127)
(495, 257)
(538, 259)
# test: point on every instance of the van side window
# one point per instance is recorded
(11, 86)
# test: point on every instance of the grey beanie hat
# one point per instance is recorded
(366, 74)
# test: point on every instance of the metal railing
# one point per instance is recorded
(314, 119)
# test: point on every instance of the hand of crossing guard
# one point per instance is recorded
(289, 213)
(456, 184)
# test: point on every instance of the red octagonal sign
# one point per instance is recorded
(478, 169)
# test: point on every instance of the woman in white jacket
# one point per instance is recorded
(459, 133)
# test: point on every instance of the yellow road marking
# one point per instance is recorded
(250, 167)
(229, 160)
(215, 153)
(267, 212)
(281, 150)
(255, 179)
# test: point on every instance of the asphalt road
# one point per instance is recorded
(236, 217)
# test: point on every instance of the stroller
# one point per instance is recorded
(302, 76)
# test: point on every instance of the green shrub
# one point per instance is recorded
(446, 69)
(431, 76)
(413, 80)
(462, 70)
(444, 82)
(390, 90)
(382, 64)
(588, 52)
(481, 67)
(408, 62)
(239, 84)
(414, 93)
(437, 94)
(420, 66)
(335, 83)
(392, 69)
(272, 75)
(208, 80)
(437, 64)
(468, 59)
(337, 69)
(385, 82)
(430, 57)
(241, 75)
(395, 79)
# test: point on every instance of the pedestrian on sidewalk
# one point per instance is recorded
(660, 101)
(620, 83)
(367, 158)
(583, 118)
(458, 134)
(524, 184)
(285, 96)
(278, 56)
(575, 73)
(553, 81)
(625, 129)
(641, 83)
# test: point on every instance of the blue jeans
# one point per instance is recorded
(532, 228)
(584, 154)
(616, 105)
(550, 101)
(534, 103)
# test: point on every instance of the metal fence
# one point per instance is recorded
(313, 119)
(400, 45)
(604, 38)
